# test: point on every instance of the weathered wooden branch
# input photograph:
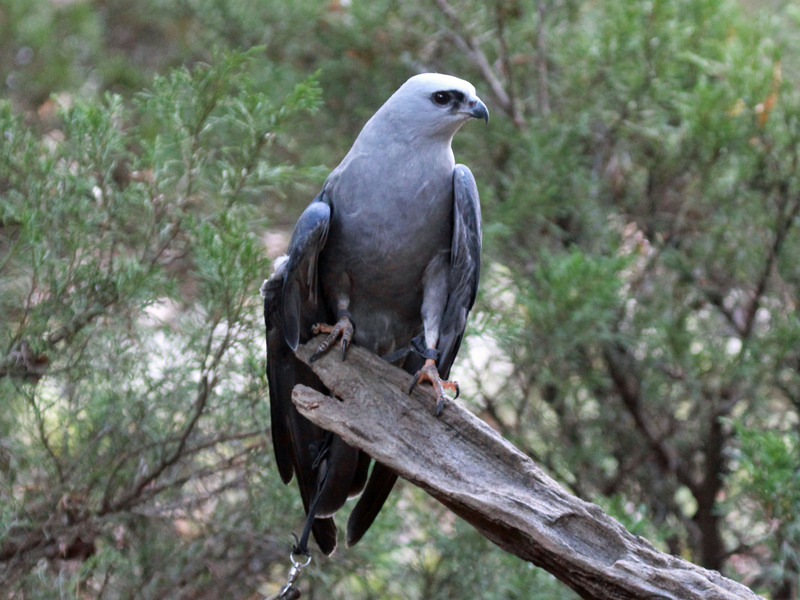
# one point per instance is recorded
(483, 478)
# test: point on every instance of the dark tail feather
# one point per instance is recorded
(380, 484)
(324, 531)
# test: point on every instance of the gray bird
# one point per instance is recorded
(386, 255)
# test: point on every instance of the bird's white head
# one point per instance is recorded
(435, 104)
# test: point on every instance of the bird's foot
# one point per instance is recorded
(429, 372)
(342, 328)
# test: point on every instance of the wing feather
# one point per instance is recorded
(465, 265)
(300, 285)
(291, 304)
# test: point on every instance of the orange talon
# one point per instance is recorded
(429, 372)
(343, 327)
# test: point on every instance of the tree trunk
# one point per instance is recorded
(483, 478)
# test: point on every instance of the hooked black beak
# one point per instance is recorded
(478, 110)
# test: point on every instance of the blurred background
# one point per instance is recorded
(637, 327)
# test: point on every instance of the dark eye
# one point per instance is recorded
(441, 98)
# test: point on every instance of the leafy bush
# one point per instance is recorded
(134, 431)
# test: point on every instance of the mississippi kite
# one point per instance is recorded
(387, 255)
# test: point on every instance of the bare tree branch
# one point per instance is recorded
(628, 387)
(541, 61)
(480, 476)
(470, 45)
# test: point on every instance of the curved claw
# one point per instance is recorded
(320, 350)
(414, 382)
(347, 335)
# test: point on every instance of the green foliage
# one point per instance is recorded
(768, 480)
(133, 345)
(644, 215)
(44, 46)
(769, 471)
